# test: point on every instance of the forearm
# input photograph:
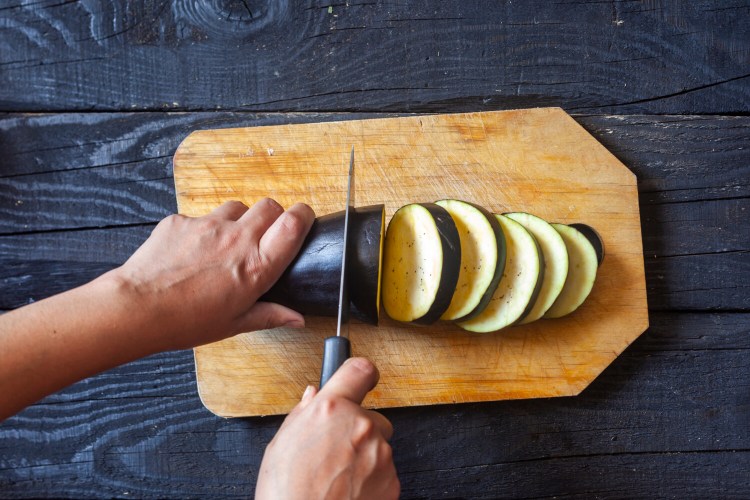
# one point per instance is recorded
(60, 340)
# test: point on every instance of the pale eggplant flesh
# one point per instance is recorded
(520, 284)
(421, 263)
(582, 269)
(310, 285)
(482, 259)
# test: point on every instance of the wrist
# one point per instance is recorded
(134, 320)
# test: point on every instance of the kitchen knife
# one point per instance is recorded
(337, 349)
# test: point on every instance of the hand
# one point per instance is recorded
(329, 446)
(199, 278)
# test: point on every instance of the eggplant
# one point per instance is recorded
(594, 238)
(520, 284)
(482, 259)
(421, 263)
(555, 255)
(310, 285)
(583, 264)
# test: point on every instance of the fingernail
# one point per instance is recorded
(308, 392)
(295, 323)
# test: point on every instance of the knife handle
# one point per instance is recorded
(336, 350)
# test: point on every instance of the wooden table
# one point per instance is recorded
(96, 96)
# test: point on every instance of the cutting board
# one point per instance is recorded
(536, 160)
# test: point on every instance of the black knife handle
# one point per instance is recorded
(336, 350)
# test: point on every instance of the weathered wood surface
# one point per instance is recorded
(279, 55)
(80, 190)
(669, 418)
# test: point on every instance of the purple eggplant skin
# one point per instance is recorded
(310, 285)
(594, 238)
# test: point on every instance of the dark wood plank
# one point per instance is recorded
(679, 158)
(622, 56)
(140, 431)
(658, 475)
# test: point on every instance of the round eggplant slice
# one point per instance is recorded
(310, 285)
(583, 264)
(421, 263)
(555, 255)
(520, 283)
(594, 238)
(482, 259)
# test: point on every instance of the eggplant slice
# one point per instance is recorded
(520, 284)
(421, 263)
(482, 259)
(555, 255)
(310, 285)
(594, 238)
(583, 264)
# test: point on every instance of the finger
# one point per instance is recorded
(307, 397)
(353, 380)
(231, 210)
(266, 315)
(284, 238)
(382, 423)
(260, 216)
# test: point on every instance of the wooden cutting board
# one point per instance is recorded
(537, 160)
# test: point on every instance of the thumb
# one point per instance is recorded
(265, 315)
(353, 380)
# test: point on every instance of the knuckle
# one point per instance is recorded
(270, 204)
(254, 269)
(363, 431)
(326, 406)
(385, 452)
(171, 220)
(293, 223)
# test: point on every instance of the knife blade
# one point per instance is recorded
(337, 349)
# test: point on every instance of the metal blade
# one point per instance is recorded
(342, 324)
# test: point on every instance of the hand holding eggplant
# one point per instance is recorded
(329, 446)
(201, 276)
(194, 281)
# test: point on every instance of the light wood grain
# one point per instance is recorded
(537, 160)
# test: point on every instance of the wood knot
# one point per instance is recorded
(230, 18)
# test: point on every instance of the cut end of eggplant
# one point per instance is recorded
(555, 256)
(594, 238)
(482, 259)
(380, 260)
(520, 283)
(421, 262)
(582, 268)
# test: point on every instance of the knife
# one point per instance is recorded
(337, 349)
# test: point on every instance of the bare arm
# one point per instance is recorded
(194, 281)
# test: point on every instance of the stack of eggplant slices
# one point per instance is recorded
(453, 260)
